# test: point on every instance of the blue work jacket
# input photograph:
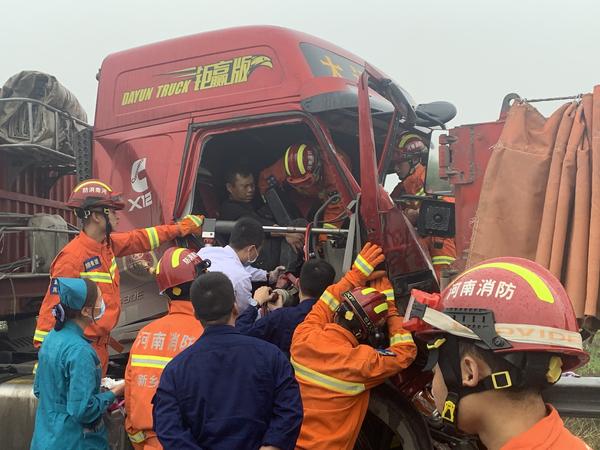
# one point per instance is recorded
(228, 391)
(67, 384)
(276, 327)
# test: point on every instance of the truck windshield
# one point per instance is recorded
(343, 127)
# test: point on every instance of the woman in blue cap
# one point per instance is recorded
(67, 380)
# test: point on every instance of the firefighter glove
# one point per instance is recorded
(384, 286)
(191, 225)
(369, 257)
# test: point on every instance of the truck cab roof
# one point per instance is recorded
(224, 71)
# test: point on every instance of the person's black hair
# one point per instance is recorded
(90, 301)
(246, 231)
(234, 171)
(315, 276)
(496, 364)
(213, 298)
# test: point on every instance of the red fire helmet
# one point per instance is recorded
(178, 266)
(410, 146)
(302, 165)
(364, 309)
(531, 309)
(94, 193)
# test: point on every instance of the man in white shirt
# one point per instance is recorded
(235, 259)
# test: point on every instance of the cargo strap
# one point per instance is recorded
(115, 345)
(108, 340)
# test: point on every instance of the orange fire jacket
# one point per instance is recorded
(335, 372)
(441, 250)
(155, 345)
(83, 257)
(549, 434)
(414, 184)
(275, 174)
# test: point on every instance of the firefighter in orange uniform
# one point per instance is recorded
(302, 169)
(337, 354)
(411, 172)
(498, 336)
(92, 255)
(158, 342)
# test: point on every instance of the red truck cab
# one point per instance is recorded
(172, 116)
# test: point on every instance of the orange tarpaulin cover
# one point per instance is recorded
(540, 197)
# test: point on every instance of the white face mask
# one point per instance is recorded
(251, 260)
(101, 313)
(102, 310)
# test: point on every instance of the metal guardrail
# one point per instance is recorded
(575, 397)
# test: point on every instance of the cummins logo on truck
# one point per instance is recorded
(222, 73)
(139, 184)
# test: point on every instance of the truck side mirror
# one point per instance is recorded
(433, 183)
(436, 218)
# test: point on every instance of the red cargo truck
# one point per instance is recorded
(172, 117)
(41, 127)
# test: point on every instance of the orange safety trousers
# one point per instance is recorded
(84, 257)
(155, 345)
(335, 372)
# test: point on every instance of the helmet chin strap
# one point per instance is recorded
(447, 353)
(109, 228)
(524, 369)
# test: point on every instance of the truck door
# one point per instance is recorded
(407, 264)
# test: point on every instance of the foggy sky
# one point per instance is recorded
(468, 52)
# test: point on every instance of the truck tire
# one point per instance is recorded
(392, 423)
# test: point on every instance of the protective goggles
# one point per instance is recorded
(482, 327)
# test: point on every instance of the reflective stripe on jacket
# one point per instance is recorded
(86, 258)
(228, 391)
(335, 372)
(155, 346)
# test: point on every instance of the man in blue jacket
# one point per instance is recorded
(278, 326)
(226, 391)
